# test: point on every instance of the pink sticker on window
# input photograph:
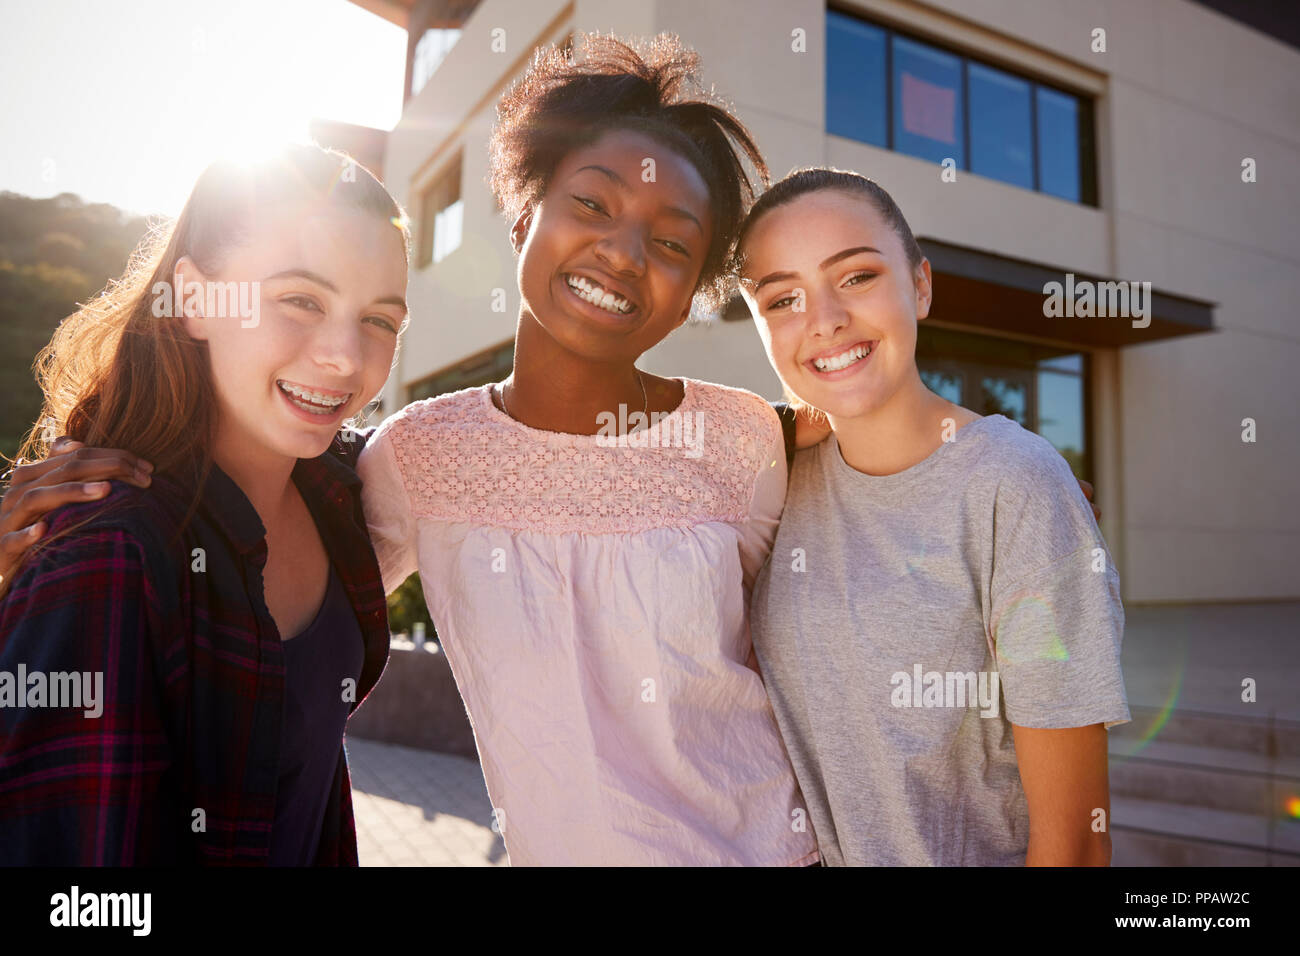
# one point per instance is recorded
(929, 110)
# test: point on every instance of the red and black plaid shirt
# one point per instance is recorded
(181, 767)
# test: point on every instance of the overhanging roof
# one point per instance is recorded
(999, 294)
(437, 13)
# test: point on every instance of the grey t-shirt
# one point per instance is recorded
(875, 622)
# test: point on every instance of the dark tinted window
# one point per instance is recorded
(1058, 144)
(927, 102)
(1001, 130)
(1041, 387)
(898, 93)
(855, 80)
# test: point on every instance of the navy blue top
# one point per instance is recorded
(316, 662)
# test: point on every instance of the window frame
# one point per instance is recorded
(1087, 133)
(451, 171)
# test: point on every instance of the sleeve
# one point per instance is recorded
(765, 507)
(1056, 619)
(387, 504)
(83, 741)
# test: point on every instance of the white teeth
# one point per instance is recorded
(598, 296)
(843, 360)
(330, 402)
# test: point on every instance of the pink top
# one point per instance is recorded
(592, 597)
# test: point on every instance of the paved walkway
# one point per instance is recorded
(419, 808)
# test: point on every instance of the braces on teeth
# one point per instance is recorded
(315, 398)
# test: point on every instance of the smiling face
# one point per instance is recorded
(610, 261)
(835, 301)
(332, 284)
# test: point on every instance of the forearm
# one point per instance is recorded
(1065, 845)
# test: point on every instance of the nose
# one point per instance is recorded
(826, 314)
(623, 250)
(336, 347)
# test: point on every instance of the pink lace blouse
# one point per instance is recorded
(591, 596)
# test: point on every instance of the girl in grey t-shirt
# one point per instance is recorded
(939, 624)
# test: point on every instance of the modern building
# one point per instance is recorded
(1146, 143)
(1030, 143)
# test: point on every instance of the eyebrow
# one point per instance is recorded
(825, 264)
(675, 211)
(320, 280)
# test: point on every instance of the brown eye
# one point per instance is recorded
(301, 302)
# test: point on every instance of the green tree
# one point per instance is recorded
(54, 254)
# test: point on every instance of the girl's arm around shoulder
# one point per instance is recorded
(83, 739)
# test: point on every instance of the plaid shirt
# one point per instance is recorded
(193, 676)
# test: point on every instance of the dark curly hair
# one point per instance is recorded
(561, 104)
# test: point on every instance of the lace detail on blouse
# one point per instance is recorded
(463, 459)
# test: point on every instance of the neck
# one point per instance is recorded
(904, 431)
(557, 390)
(265, 478)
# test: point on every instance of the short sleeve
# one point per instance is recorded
(1056, 619)
(387, 504)
(759, 530)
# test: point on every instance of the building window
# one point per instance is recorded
(1060, 126)
(900, 93)
(928, 104)
(490, 365)
(441, 217)
(1041, 387)
(430, 51)
(1001, 126)
(855, 64)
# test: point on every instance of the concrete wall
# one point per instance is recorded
(1183, 94)
(416, 704)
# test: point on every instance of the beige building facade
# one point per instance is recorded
(1180, 108)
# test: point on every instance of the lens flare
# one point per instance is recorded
(1169, 705)
(1027, 632)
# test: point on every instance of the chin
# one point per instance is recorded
(845, 406)
(303, 446)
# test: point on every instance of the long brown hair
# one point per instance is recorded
(117, 374)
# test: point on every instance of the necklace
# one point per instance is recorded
(645, 400)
